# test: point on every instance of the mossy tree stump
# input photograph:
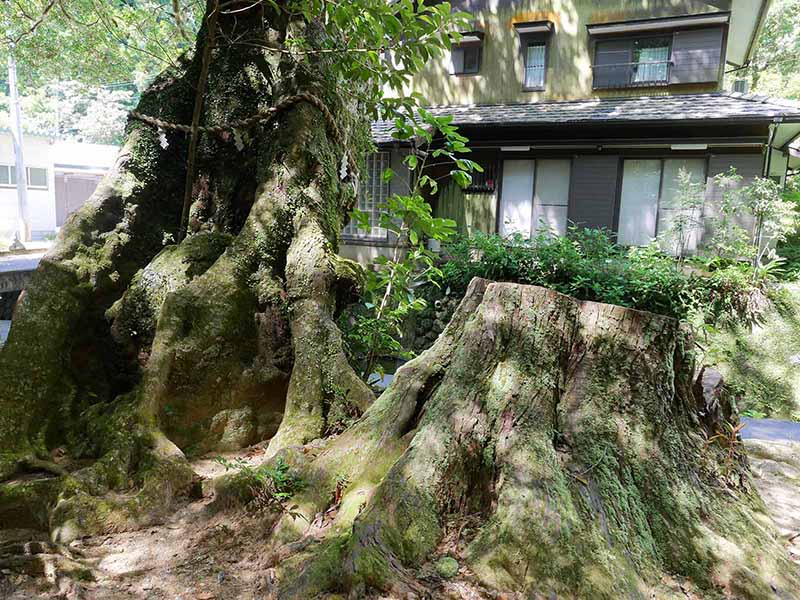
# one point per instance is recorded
(567, 437)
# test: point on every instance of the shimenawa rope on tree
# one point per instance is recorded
(260, 117)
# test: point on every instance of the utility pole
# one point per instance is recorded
(23, 233)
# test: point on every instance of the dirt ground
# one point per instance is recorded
(201, 554)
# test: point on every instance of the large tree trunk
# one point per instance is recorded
(133, 350)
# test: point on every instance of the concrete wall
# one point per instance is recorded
(569, 73)
(53, 155)
(41, 203)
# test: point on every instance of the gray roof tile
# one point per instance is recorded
(686, 107)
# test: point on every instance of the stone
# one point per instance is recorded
(236, 428)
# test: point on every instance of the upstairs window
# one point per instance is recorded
(651, 60)
(660, 51)
(465, 57)
(534, 38)
(632, 62)
(535, 65)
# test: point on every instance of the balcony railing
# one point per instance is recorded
(632, 74)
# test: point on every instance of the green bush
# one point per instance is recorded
(587, 264)
(789, 248)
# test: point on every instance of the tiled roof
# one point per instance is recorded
(687, 107)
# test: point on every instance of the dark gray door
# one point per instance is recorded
(593, 191)
(72, 190)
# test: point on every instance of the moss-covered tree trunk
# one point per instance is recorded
(130, 349)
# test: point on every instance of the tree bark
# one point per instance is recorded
(554, 448)
(131, 353)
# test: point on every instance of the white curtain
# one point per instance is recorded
(534, 66)
(652, 65)
(639, 202)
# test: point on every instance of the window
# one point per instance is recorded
(465, 57)
(535, 65)
(37, 176)
(638, 211)
(373, 192)
(551, 197)
(632, 62)
(651, 60)
(648, 201)
(534, 37)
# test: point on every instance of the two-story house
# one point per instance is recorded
(584, 111)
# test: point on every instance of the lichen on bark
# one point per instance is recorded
(148, 349)
(567, 433)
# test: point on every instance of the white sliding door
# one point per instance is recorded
(638, 212)
(516, 202)
(552, 196)
(670, 208)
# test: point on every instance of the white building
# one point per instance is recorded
(61, 177)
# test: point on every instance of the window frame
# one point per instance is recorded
(12, 180)
(30, 186)
(631, 40)
(357, 235)
(662, 159)
(463, 48)
(541, 37)
(535, 41)
(9, 184)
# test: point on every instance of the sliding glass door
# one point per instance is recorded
(638, 210)
(516, 202)
(551, 196)
(650, 202)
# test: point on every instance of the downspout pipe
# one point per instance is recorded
(773, 128)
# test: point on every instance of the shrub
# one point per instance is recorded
(264, 488)
(587, 264)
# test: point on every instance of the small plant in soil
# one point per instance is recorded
(264, 488)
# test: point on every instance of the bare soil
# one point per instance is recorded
(201, 553)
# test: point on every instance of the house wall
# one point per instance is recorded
(41, 207)
(596, 184)
(569, 73)
(365, 251)
(59, 157)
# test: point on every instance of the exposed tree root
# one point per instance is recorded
(156, 350)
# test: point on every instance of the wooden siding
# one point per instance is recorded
(472, 211)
